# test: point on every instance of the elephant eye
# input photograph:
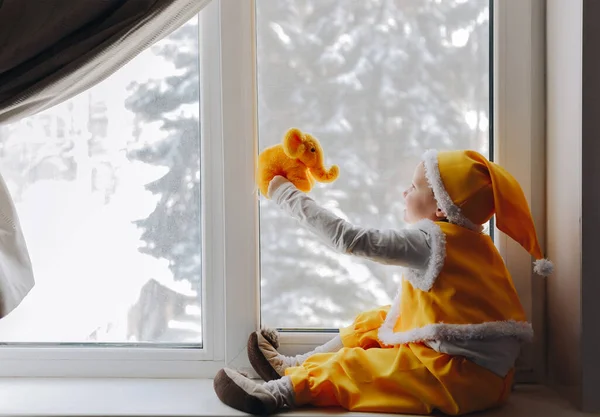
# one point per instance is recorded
(312, 149)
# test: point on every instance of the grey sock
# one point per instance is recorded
(333, 345)
(283, 391)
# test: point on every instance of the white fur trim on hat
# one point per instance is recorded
(432, 173)
(424, 279)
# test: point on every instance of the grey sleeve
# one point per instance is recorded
(406, 247)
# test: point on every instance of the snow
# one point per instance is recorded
(87, 265)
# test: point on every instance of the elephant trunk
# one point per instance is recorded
(325, 175)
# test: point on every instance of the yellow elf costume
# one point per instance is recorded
(449, 340)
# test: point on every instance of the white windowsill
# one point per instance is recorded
(189, 397)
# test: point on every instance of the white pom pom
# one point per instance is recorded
(543, 267)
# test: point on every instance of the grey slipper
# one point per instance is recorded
(243, 394)
(257, 359)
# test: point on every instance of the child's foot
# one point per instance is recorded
(264, 358)
(270, 364)
(248, 396)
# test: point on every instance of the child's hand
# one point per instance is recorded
(275, 183)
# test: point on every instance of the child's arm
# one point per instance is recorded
(408, 247)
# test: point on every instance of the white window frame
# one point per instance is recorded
(519, 146)
(141, 362)
(231, 280)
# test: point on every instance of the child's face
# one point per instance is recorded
(420, 203)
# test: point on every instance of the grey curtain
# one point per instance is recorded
(51, 50)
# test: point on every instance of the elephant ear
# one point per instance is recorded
(293, 143)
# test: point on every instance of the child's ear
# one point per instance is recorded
(441, 214)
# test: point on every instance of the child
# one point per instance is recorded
(451, 337)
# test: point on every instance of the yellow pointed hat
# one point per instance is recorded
(470, 190)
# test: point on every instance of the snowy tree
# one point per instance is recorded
(173, 229)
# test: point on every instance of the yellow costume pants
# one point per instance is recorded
(406, 379)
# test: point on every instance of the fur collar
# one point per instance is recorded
(442, 331)
(424, 280)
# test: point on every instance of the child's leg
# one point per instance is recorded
(375, 380)
(331, 346)
(353, 378)
(270, 364)
(407, 379)
(363, 331)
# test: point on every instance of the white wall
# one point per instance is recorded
(570, 332)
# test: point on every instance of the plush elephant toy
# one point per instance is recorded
(299, 159)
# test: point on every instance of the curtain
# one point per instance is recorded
(50, 51)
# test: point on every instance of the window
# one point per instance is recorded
(165, 258)
(379, 83)
(107, 187)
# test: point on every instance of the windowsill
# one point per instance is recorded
(190, 397)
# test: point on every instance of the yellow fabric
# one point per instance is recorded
(472, 267)
(364, 376)
(481, 188)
